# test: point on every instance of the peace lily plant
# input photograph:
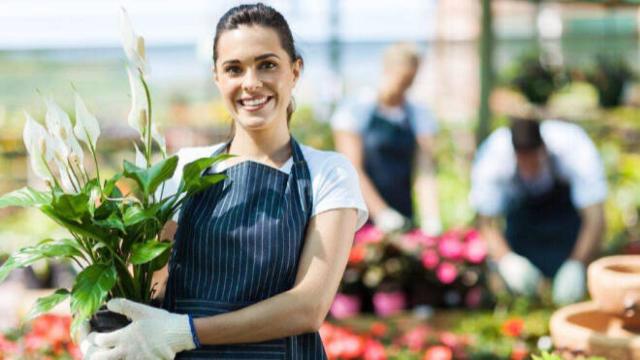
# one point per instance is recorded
(114, 237)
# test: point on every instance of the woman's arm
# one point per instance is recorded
(350, 144)
(159, 279)
(590, 235)
(426, 187)
(303, 308)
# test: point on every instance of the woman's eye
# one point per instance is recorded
(233, 70)
(268, 65)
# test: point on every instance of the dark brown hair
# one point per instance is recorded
(525, 134)
(258, 15)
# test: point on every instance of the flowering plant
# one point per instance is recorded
(115, 237)
(395, 271)
(46, 337)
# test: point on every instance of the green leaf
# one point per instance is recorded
(45, 304)
(110, 188)
(71, 206)
(160, 261)
(204, 182)
(112, 222)
(135, 214)
(191, 173)
(25, 197)
(91, 288)
(150, 178)
(142, 253)
(87, 230)
(47, 248)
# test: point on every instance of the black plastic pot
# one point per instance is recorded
(106, 321)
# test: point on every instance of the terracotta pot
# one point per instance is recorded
(614, 285)
(582, 329)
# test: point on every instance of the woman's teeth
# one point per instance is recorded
(254, 102)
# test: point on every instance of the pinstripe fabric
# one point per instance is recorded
(238, 242)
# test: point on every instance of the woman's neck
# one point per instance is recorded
(270, 146)
(388, 99)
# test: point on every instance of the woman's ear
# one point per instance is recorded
(296, 67)
(214, 73)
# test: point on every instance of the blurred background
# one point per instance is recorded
(477, 56)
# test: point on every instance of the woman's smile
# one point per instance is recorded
(255, 103)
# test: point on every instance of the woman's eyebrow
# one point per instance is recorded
(257, 58)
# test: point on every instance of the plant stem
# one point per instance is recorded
(148, 139)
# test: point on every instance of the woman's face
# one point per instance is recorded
(255, 76)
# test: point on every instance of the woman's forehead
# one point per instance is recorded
(248, 42)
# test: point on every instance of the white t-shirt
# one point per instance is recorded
(334, 181)
(353, 116)
(577, 162)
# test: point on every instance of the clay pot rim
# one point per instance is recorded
(621, 280)
(569, 331)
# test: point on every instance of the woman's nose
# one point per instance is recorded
(251, 82)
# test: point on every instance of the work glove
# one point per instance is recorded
(85, 342)
(153, 334)
(431, 226)
(569, 283)
(519, 273)
(389, 220)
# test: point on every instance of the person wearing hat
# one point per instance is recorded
(547, 182)
(389, 140)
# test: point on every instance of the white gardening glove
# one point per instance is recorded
(153, 334)
(569, 283)
(83, 340)
(389, 220)
(519, 273)
(431, 226)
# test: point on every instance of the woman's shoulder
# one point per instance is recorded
(188, 154)
(323, 160)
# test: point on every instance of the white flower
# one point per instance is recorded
(138, 115)
(87, 128)
(140, 161)
(133, 44)
(39, 147)
(60, 128)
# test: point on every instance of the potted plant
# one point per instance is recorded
(609, 76)
(114, 237)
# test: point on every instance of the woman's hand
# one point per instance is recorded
(153, 334)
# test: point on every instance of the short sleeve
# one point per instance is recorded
(351, 117)
(578, 161)
(336, 185)
(492, 169)
(423, 121)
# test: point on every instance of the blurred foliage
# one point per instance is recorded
(534, 77)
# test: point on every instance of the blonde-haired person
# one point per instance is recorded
(257, 258)
(389, 139)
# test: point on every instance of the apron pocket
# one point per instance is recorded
(267, 350)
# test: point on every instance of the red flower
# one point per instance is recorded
(378, 329)
(416, 338)
(438, 352)
(446, 273)
(513, 327)
(519, 352)
(357, 254)
(345, 345)
(374, 350)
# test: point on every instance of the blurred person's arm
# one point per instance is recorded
(350, 144)
(426, 186)
(590, 234)
(492, 234)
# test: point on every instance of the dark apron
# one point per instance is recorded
(389, 151)
(543, 228)
(238, 243)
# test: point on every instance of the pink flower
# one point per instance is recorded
(416, 338)
(438, 352)
(430, 259)
(374, 350)
(388, 303)
(473, 298)
(446, 273)
(451, 247)
(368, 234)
(471, 235)
(449, 339)
(475, 251)
(345, 306)
(416, 238)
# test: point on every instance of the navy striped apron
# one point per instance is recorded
(239, 242)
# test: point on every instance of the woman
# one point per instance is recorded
(389, 141)
(258, 257)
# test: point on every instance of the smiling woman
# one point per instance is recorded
(259, 256)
